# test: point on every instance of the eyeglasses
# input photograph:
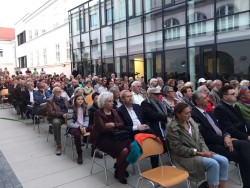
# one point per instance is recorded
(138, 86)
(233, 94)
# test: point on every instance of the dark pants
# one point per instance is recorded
(77, 137)
(241, 155)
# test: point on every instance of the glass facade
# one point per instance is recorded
(170, 38)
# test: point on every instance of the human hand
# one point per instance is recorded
(205, 154)
(83, 130)
(110, 124)
(228, 143)
(142, 127)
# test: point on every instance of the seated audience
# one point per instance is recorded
(136, 92)
(116, 93)
(229, 116)
(218, 141)
(169, 100)
(57, 108)
(189, 151)
(75, 120)
(244, 103)
(107, 121)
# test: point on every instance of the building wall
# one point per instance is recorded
(47, 37)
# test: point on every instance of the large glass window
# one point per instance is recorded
(95, 51)
(153, 42)
(135, 45)
(106, 34)
(194, 64)
(82, 24)
(172, 30)
(119, 10)
(121, 66)
(120, 48)
(86, 17)
(107, 49)
(151, 5)
(94, 14)
(153, 21)
(108, 67)
(136, 65)
(76, 55)
(135, 26)
(75, 23)
(120, 30)
(85, 39)
(76, 42)
(95, 37)
(233, 60)
(86, 53)
(176, 64)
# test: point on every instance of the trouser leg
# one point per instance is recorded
(56, 123)
(77, 137)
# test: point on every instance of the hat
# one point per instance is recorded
(154, 91)
(243, 90)
(167, 89)
(202, 80)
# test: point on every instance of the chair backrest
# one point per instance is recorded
(4, 92)
(151, 147)
(88, 99)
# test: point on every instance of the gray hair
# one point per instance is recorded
(103, 98)
(202, 89)
(77, 90)
(135, 83)
(196, 96)
(57, 84)
(243, 82)
(113, 90)
(152, 80)
(123, 93)
(55, 88)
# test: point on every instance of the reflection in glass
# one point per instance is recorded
(176, 64)
(135, 26)
(153, 42)
(95, 37)
(77, 55)
(151, 5)
(233, 61)
(194, 65)
(106, 34)
(120, 30)
(136, 65)
(76, 42)
(86, 16)
(107, 67)
(86, 53)
(120, 48)
(94, 14)
(150, 64)
(119, 10)
(153, 21)
(85, 39)
(135, 45)
(75, 24)
(95, 51)
(107, 49)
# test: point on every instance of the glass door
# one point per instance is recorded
(208, 62)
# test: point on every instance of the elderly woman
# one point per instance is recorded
(190, 152)
(116, 102)
(106, 122)
(169, 99)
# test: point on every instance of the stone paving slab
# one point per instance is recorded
(8, 178)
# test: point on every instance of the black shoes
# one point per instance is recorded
(79, 159)
(203, 185)
(126, 173)
(121, 180)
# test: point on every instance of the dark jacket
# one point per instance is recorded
(128, 123)
(53, 110)
(92, 110)
(231, 120)
(99, 123)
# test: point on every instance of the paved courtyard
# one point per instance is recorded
(31, 160)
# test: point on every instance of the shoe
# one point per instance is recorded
(79, 159)
(203, 185)
(22, 117)
(58, 150)
(126, 173)
(50, 129)
(121, 180)
(82, 144)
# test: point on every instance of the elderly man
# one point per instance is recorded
(213, 95)
(131, 114)
(156, 114)
(57, 108)
(218, 141)
(136, 92)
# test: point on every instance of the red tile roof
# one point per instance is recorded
(7, 33)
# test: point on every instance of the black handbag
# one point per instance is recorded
(120, 135)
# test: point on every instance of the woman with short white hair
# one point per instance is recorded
(106, 123)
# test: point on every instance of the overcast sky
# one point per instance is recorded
(13, 10)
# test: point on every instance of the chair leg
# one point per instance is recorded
(138, 181)
(87, 145)
(72, 146)
(240, 179)
(188, 184)
(65, 140)
(93, 158)
(105, 169)
(38, 126)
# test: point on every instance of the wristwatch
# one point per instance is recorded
(194, 151)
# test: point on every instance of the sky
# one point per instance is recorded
(11, 11)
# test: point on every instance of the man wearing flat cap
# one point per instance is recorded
(156, 114)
